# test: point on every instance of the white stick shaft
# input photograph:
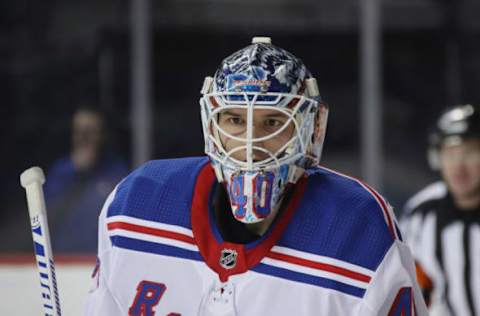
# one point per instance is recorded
(32, 180)
(35, 199)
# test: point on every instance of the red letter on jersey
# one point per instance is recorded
(148, 295)
(403, 304)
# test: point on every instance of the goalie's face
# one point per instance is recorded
(270, 131)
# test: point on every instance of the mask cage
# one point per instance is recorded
(299, 110)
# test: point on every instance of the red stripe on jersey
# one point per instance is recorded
(320, 266)
(150, 231)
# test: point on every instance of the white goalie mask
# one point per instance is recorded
(264, 124)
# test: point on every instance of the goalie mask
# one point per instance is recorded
(264, 124)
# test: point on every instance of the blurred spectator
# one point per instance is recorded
(442, 222)
(78, 184)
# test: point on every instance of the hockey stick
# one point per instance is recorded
(32, 180)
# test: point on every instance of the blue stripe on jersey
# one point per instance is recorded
(338, 218)
(159, 191)
(399, 233)
(151, 247)
(309, 279)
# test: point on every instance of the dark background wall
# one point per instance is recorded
(56, 55)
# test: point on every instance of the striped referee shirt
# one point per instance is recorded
(445, 242)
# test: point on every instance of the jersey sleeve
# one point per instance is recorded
(410, 224)
(100, 300)
(394, 289)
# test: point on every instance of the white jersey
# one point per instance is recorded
(445, 243)
(335, 250)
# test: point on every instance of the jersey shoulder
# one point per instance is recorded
(425, 198)
(159, 191)
(343, 218)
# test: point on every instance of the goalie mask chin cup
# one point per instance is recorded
(262, 77)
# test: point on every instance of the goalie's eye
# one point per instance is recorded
(236, 120)
(272, 123)
(232, 123)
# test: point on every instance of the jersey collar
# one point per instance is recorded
(226, 258)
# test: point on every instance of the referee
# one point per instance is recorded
(442, 222)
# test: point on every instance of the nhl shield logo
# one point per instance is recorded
(228, 258)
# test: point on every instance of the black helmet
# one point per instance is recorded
(454, 125)
(460, 121)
